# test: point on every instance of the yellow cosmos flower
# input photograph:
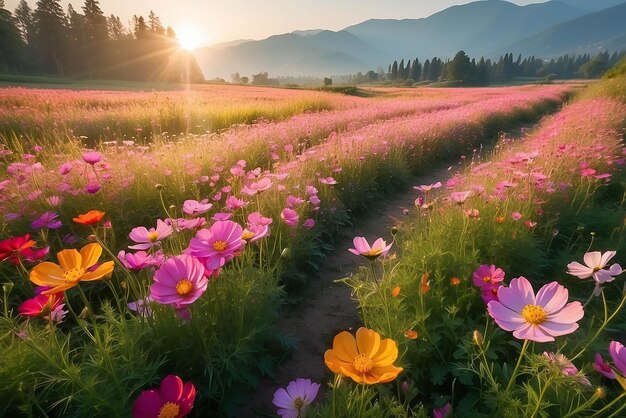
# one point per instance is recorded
(73, 267)
(365, 359)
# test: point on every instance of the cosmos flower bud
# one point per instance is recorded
(286, 253)
(7, 287)
(92, 238)
(394, 230)
(478, 338)
(84, 314)
(158, 186)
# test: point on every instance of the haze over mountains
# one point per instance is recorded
(483, 28)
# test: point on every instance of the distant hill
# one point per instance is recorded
(480, 28)
(593, 4)
(590, 33)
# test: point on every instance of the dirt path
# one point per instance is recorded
(332, 308)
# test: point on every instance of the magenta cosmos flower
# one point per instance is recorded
(536, 318)
(293, 401)
(180, 280)
(92, 157)
(603, 367)
(487, 275)
(42, 305)
(442, 412)
(193, 207)
(362, 247)
(218, 244)
(173, 399)
(595, 263)
(148, 238)
(290, 217)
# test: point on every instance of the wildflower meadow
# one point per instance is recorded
(150, 242)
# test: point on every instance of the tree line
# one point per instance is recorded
(51, 41)
(470, 71)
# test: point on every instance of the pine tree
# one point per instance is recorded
(12, 47)
(116, 28)
(25, 21)
(394, 70)
(401, 70)
(154, 24)
(425, 70)
(51, 37)
(416, 70)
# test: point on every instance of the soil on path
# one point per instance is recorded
(332, 309)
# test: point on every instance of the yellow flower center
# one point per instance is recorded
(374, 252)
(153, 236)
(219, 245)
(246, 236)
(486, 279)
(363, 363)
(169, 410)
(73, 274)
(184, 287)
(596, 269)
(534, 314)
(298, 404)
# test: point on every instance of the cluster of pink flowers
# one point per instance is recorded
(488, 278)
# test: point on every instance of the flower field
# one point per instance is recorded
(150, 241)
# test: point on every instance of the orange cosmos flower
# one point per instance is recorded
(395, 291)
(500, 219)
(425, 284)
(455, 281)
(365, 359)
(411, 334)
(73, 268)
(90, 218)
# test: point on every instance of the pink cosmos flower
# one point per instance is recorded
(603, 367)
(173, 399)
(218, 244)
(530, 224)
(427, 187)
(536, 318)
(65, 168)
(595, 263)
(221, 216)
(516, 216)
(290, 217)
(193, 207)
(487, 274)
(140, 260)
(92, 157)
(566, 367)
(47, 220)
(309, 223)
(148, 238)
(362, 247)
(294, 201)
(258, 227)
(311, 190)
(293, 401)
(232, 203)
(618, 354)
(315, 201)
(93, 187)
(142, 306)
(460, 197)
(327, 180)
(257, 187)
(54, 200)
(14, 248)
(442, 412)
(181, 224)
(179, 280)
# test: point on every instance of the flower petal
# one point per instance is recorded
(367, 341)
(69, 259)
(90, 254)
(344, 347)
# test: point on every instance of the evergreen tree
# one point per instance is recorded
(77, 59)
(394, 70)
(12, 46)
(425, 70)
(154, 24)
(116, 28)
(401, 70)
(25, 21)
(96, 37)
(460, 68)
(51, 37)
(416, 70)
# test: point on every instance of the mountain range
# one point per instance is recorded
(487, 28)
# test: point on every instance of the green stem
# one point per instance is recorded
(519, 361)
(542, 392)
(609, 406)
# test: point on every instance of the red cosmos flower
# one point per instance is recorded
(41, 304)
(173, 399)
(13, 248)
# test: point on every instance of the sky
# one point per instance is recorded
(213, 21)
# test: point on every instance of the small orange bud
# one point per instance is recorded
(455, 281)
(395, 291)
(500, 219)
(411, 334)
(425, 284)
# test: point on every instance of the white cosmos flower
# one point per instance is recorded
(595, 263)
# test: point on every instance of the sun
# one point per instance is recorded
(189, 37)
